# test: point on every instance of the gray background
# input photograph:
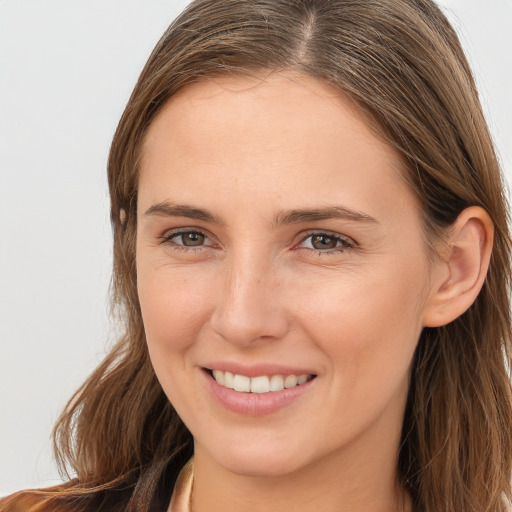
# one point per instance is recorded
(66, 71)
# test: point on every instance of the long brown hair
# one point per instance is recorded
(401, 62)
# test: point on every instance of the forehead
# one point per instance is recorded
(269, 99)
(284, 136)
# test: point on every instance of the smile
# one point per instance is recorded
(260, 384)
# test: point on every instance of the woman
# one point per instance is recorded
(311, 254)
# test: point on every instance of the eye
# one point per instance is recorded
(185, 239)
(191, 239)
(326, 242)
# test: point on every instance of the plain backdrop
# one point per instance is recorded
(66, 71)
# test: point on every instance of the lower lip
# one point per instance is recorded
(255, 404)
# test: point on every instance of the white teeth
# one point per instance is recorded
(301, 379)
(228, 379)
(241, 383)
(219, 377)
(260, 384)
(290, 381)
(276, 383)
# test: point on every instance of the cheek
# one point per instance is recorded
(174, 305)
(368, 327)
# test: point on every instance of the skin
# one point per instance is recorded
(257, 289)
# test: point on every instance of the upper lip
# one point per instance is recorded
(259, 369)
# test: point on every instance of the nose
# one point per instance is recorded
(248, 308)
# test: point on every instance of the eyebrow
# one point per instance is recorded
(316, 214)
(169, 209)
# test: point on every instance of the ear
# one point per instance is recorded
(460, 272)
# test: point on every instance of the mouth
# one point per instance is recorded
(260, 384)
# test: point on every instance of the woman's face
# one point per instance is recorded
(275, 239)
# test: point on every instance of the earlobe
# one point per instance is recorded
(459, 277)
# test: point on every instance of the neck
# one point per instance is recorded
(340, 482)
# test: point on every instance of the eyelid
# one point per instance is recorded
(348, 242)
(169, 235)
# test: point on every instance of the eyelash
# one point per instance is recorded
(169, 238)
(345, 243)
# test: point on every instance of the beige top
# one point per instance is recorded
(180, 499)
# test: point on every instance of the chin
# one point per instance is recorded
(260, 465)
(263, 459)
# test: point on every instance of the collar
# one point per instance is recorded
(180, 499)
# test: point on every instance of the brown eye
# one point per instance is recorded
(327, 243)
(191, 239)
(323, 242)
(186, 239)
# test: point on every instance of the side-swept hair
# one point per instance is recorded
(401, 62)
